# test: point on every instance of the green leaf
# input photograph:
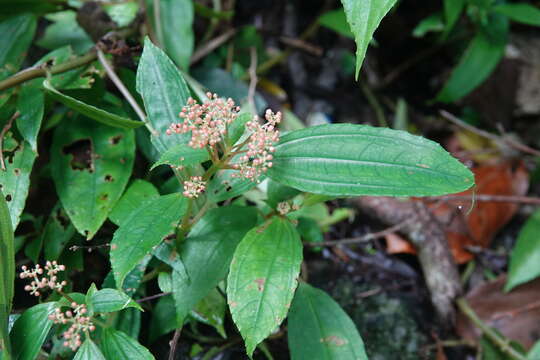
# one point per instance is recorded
(182, 155)
(364, 18)
(174, 31)
(90, 111)
(78, 78)
(430, 23)
(520, 12)
(91, 165)
(139, 193)
(224, 186)
(336, 20)
(128, 321)
(278, 193)
(89, 351)
(320, 329)
(117, 345)
(350, 160)
(15, 180)
(164, 93)
(207, 253)
(143, 230)
(133, 278)
(30, 331)
(57, 232)
(7, 273)
(64, 30)
(525, 257)
(122, 14)
(162, 322)
(534, 352)
(17, 34)
(211, 311)
(452, 11)
(31, 104)
(110, 300)
(237, 127)
(477, 63)
(14, 7)
(262, 279)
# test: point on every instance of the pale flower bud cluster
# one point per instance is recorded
(48, 281)
(207, 122)
(194, 186)
(258, 158)
(79, 323)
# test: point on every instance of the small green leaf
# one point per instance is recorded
(452, 11)
(211, 311)
(139, 193)
(430, 23)
(31, 104)
(477, 63)
(15, 180)
(262, 279)
(128, 321)
(162, 322)
(17, 34)
(525, 257)
(350, 160)
(117, 345)
(122, 14)
(64, 30)
(207, 253)
(7, 273)
(224, 185)
(142, 230)
(133, 278)
(57, 232)
(90, 111)
(30, 331)
(89, 351)
(91, 165)
(110, 300)
(520, 12)
(164, 93)
(337, 21)
(237, 127)
(364, 18)
(278, 193)
(175, 31)
(320, 329)
(182, 155)
(79, 78)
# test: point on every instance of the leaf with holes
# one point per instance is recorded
(364, 18)
(143, 230)
(320, 329)
(90, 111)
(350, 160)
(182, 155)
(7, 273)
(262, 279)
(15, 180)
(89, 351)
(91, 165)
(207, 253)
(164, 93)
(139, 193)
(78, 78)
(117, 345)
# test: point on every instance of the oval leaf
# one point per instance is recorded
(350, 160)
(30, 331)
(91, 165)
(142, 230)
(320, 329)
(138, 193)
(117, 345)
(262, 279)
(525, 257)
(182, 155)
(90, 111)
(89, 351)
(109, 300)
(520, 12)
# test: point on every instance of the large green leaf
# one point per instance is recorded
(143, 230)
(57, 232)
(349, 160)
(30, 331)
(30, 104)
(182, 155)
(262, 279)
(207, 253)
(364, 18)
(90, 111)
(162, 322)
(17, 34)
(477, 63)
(320, 329)
(89, 351)
(15, 180)
(525, 257)
(91, 165)
(7, 272)
(139, 193)
(117, 345)
(175, 28)
(110, 300)
(164, 93)
(211, 311)
(520, 12)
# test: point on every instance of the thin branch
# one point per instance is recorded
(302, 45)
(502, 343)
(41, 71)
(252, 79)
(2, 134)
(125, 92)
(211, 45)
(507, 141)
(173, 343)
(361, 239)
(148, 298)
(488, 198)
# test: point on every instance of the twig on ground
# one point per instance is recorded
(500, 139)
(2, 134)
(302, 45)
(252, 79)
(512, 313)
(173, 343)
(211, 45)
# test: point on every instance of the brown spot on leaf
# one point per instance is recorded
(334, 340)
(17, 171)
(103, 197)
(81, 152)
(233, 304)
(260, 283)
(109, 178)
